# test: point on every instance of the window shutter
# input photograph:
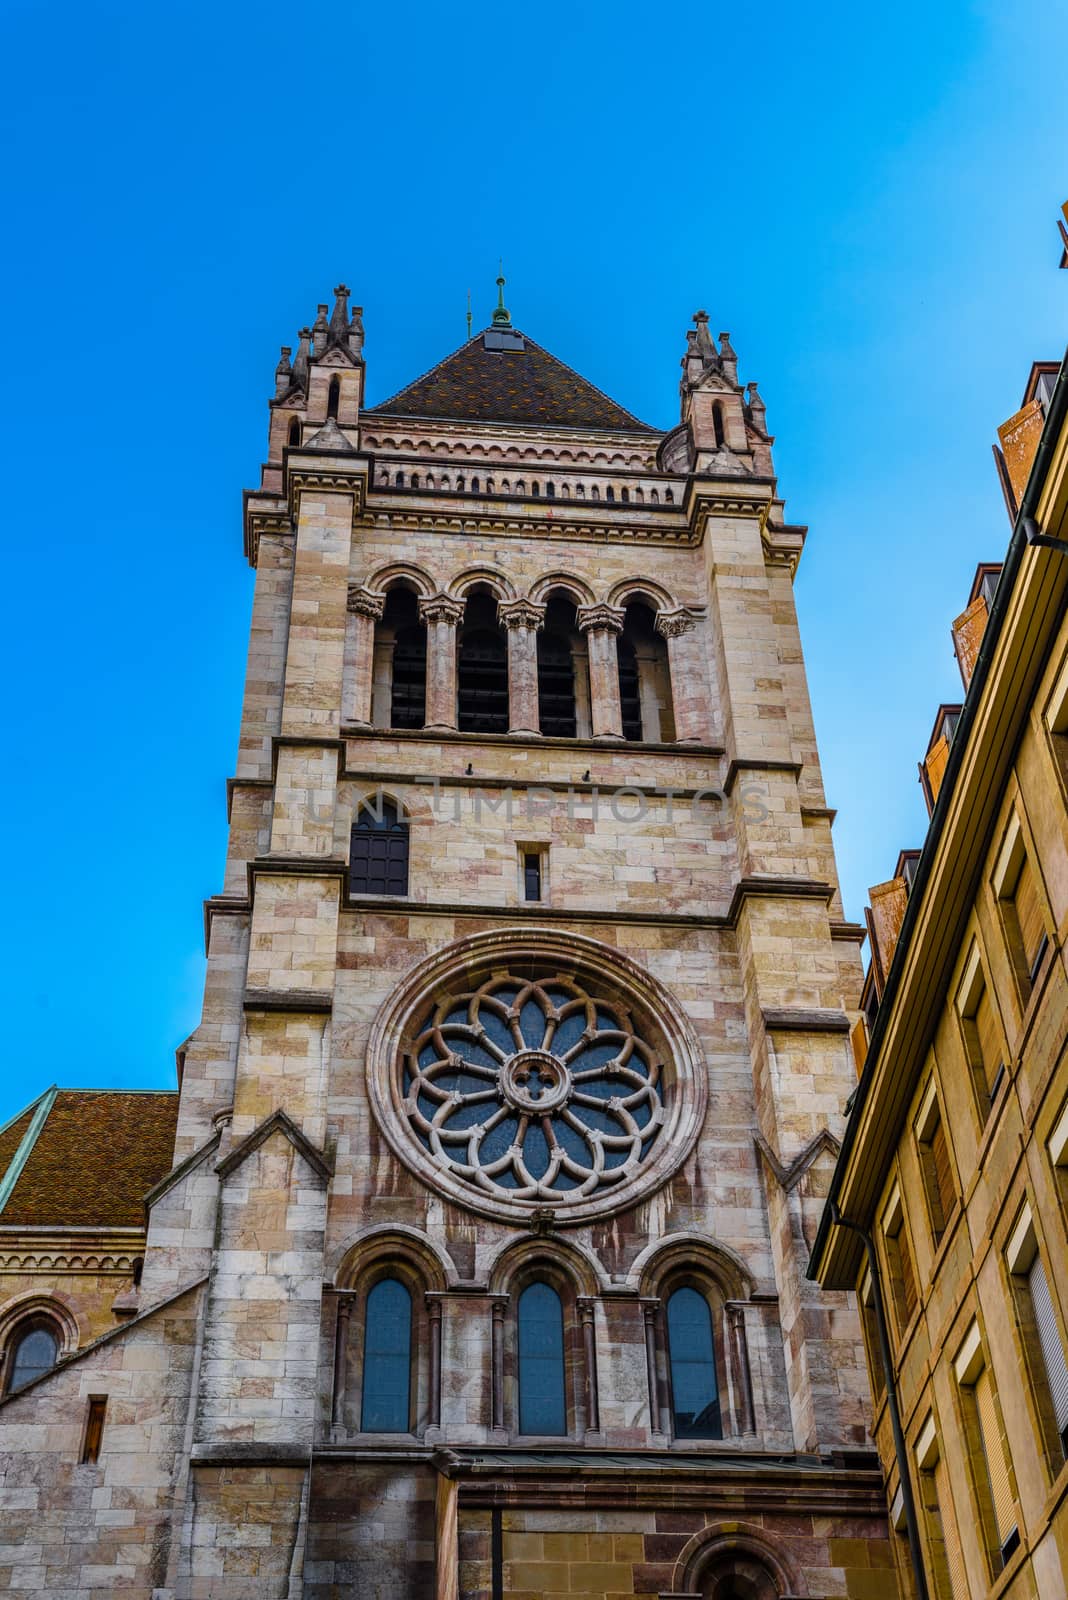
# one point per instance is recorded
(1050, 1340)
(943, 1170)
(908, 1274)
(996, 1464)
(1028, 915)
(958, 1583)
(989, 1042)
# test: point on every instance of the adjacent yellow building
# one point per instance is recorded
(948, 1209)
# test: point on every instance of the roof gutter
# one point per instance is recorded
(1023, 535)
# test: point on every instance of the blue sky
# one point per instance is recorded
(866, 197)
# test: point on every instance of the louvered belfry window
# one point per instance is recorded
(378, 855)
(1052, 1349)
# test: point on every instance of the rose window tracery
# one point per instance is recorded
(533, 1089)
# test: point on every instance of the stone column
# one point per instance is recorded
(523, 619)
(651, 1312)
(743, 1382)
(442, 615)
(498, 1308)
(601, 625)
(341, 1348)
(587, 1311)
(433, 1308)
(364, 610)
(688, 686)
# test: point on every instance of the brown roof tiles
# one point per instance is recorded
(520, 383)
(94, 1159)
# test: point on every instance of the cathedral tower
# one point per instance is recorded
(505, 1131)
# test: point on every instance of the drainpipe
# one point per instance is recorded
(900, 1449)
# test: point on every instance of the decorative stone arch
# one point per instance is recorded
(35, 1304)
(577, 589)
(646, 590)
(662, 1259)
(404, 573)
(396, 1242)
(736, 1561)
(521, 1258)
(490, 578)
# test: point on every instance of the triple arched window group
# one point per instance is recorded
(399, 692)
(542, 1349)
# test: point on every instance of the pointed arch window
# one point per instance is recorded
(387, 1359)
(378, 855)
(334, 397)
(692, 1358)
(542, 1402)
(294, 432)
(34, 1350)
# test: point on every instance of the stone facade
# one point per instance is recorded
(687, 909)
(955, 1163)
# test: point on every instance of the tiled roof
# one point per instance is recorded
(95, 1156)
(520, 382)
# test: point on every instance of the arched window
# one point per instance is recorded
(386, 1406)
(33, 1351)
(624, 495)
(559, 643)
(461, 485)
(294, 431)
(669, 497)
(400, 662)
(489, 485)
(610, 493)
(415, 480)
(550, 490)
(644, 678)
(717, 423)
(542, 1405)
(399, 480)
(482, 669)
(654, 497)
(595, 493)
(333, 399)
(692, 1358)
(520, 486)
(474, 485)
(535, 489)
(378, 854)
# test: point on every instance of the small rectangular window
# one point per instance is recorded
(94, 1427)
(945, 1557)
(981, 1034)
(533, 872)
(902, 1273)
(936, 1164)
(1016, 887)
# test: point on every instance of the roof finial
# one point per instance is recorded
(469, 313)
(501, 317)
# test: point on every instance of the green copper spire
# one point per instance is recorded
(501, 317)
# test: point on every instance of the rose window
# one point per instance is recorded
(533, 1090)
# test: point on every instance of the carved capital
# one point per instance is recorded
(365, 604)
(586, 1308)
(498, 1307)
(441, 608)
(674, 623)
(521, 614)
(650, 1311)
(600, 619)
